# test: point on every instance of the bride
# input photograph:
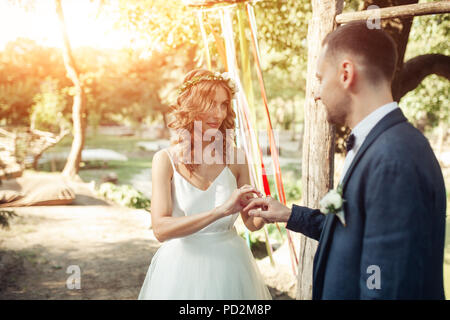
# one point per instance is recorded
(195, 202)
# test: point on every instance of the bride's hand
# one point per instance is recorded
(239, 199)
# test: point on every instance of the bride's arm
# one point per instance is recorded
(252, 223)
(165, 226)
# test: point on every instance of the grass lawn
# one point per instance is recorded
(125, 170)
(121, 144)
(138, 159)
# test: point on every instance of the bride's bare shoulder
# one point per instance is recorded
(161, 161)
(239, 162)
(240, 156)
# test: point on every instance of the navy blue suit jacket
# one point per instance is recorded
(395, 205)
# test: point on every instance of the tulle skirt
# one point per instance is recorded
(204, 266)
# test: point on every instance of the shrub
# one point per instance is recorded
(124, 195)
(5, 215)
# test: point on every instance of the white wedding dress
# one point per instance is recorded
(211, 264)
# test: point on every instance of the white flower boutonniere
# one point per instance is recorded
(333, 203)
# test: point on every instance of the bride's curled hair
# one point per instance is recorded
(191, 102)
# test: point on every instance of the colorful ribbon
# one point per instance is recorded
(273, 148)
(205, 39)
(243, 112)
(244, 106)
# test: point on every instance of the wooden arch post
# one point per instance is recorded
(318, 139)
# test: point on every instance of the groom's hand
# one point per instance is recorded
(269, 209)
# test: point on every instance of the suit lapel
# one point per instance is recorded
(394, 117)
(391, 119)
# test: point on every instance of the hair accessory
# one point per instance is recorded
(216, 77)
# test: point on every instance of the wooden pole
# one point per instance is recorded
(318, 139)
(411, 10)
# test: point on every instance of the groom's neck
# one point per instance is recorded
(366, 101)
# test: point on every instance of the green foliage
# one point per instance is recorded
(124, 195)
(283, 27)
(162, 25)
(23, 66)
(121, 86)
(427, 105)
(15, 101)
(49, 108)
(429, 34)
(287, 111)
(275, 234)
(282, 30)
(258, 237)
(292, 182)
(293, 190)
(5, 216)
(137, 86)
(25, 59)
(253, 237)
(128, 87)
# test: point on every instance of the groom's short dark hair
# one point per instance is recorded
(376, 48)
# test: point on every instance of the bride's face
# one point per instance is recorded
(213, 117)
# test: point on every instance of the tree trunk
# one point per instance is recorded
(79, 116)
(318, 139)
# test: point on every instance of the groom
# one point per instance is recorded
(392, 244)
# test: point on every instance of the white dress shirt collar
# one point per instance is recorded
(363, 128)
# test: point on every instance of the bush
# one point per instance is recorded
(124, 195)
(293, 190)
(5, 216)
(257, 237)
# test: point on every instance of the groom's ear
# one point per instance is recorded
(347, 73)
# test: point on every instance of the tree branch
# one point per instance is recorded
(402, 11)
(417, 69)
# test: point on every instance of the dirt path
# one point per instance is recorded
(111, 245)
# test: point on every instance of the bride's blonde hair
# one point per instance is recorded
(194, 100)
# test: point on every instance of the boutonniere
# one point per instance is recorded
(333, 202)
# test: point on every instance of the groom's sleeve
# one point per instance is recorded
(395, 234)
(307, 221)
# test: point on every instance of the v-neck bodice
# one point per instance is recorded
(188, 199)
(210, 185)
